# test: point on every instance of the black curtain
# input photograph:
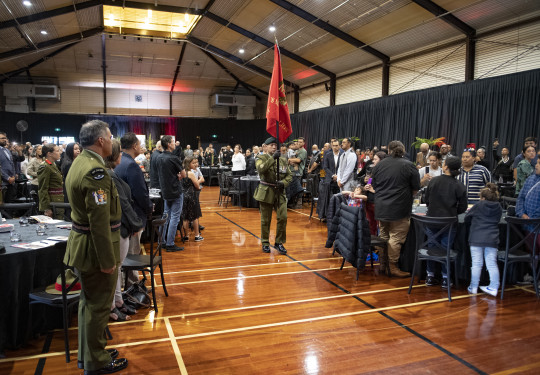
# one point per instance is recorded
(506, 107)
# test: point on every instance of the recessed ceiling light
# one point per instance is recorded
(241, 50)
(272, 28)
(27, 3)
(44, 32)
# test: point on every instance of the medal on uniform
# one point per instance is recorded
(100, 196)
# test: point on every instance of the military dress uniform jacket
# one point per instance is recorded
(266, 166)
(94, 241)
(51, 185)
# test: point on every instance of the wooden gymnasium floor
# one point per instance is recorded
(235, 310)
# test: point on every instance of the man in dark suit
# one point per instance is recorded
(7, 163)
(329, 186)
(154, 161)
(129, 171)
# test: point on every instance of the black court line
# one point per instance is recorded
(46, 346)
(382, 313)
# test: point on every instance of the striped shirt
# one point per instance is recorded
(528, 201)
(474, 181)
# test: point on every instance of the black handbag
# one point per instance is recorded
(20, 178)
(137, 296)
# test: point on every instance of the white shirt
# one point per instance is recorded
(197, 172)
(139, 159)
(432, 172)
(238, 162)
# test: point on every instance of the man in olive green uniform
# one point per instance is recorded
(93, 245)
(271, 195)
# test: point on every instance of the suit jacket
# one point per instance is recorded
(129, 171)
(95, 204)
(329, 166)
(7, 165)
(421, 160)
(130, 220)
(154, 173)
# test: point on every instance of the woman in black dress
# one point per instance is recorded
(191, 211)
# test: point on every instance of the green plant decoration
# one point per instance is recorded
(430, 141)
(149, 143)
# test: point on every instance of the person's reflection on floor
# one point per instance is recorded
(482, 317)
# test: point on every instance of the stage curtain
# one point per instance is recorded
(506, 107)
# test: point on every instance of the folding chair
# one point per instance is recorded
(148, 263)
(517, 253)
(432, 248)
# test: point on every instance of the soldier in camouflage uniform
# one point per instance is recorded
(93, 246)
(271, 195)
(50, 181)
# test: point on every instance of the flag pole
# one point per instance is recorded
(277, 122)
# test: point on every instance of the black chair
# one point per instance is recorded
(517, 253)
(431, 248)
(508, 201)
(59, 205)
(235, 190)
(10, 210)
(64, 301)
(148, 263)
(213, 175)
(377, 241)
(223, 189)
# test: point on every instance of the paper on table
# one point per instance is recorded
(31, 245)
(58, 238)
(6, 228)
(46, 219)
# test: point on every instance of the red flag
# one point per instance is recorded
(277, 108)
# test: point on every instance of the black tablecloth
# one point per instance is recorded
(249, 184)
(21, 272)
(461, 246)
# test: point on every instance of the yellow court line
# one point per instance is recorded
(298, 212)
(176, 349)
(232, 309)
(325, 317)
(249, 265)
(361, 312)
(526, 289)
(521, 369)
(255, 276)
(37, 356)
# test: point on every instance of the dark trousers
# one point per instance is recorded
(11, 193)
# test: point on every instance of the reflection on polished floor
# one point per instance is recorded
(235, 310)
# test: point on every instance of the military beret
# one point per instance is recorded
(270, 140)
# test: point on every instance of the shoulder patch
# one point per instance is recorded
(100, 196)
(98, 173)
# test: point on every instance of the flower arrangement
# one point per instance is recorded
(430, 141)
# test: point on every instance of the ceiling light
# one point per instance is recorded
(241, 50)
(147, 22)
(272, 28)
(27, 3)
(44, 32)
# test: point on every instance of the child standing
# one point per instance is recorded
(484, 217)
